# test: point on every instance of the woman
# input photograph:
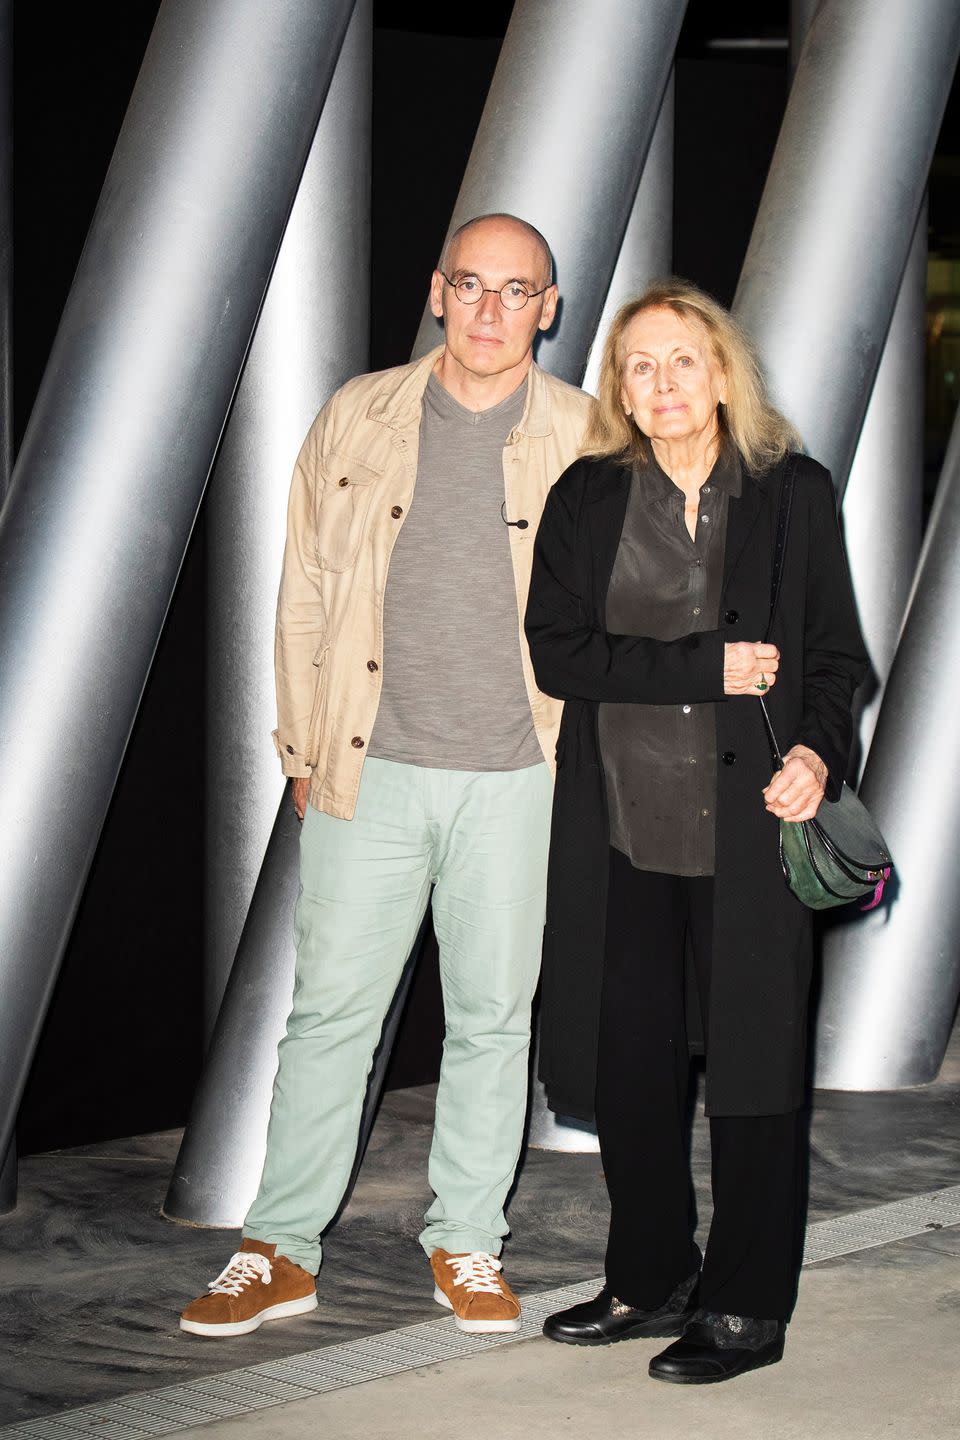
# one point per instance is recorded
(670, 928)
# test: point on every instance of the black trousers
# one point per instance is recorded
(758, 1161)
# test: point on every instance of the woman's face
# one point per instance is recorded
(672, 382)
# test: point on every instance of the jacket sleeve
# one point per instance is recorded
(301, 621)
(574, 659)
(834, 657)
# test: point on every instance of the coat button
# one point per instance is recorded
(357, 743)
(343, 481)
(731, 617)
(372, 666)
(289, 749)
(729, 757)
(396, 511)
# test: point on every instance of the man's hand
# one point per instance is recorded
(748, 663)
(300, 787)
(795, 792)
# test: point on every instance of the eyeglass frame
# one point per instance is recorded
(486, 290)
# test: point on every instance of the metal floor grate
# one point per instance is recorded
(241, 1392)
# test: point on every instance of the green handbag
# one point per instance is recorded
(839, 855)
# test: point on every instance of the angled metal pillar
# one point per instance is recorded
(883, 504)
(122, 436)
(892, 978)
(562, 142)
(8, 1167)
(837, 216)
(312, 335)
(647, 250)
(646, 253)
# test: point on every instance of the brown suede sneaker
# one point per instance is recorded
(473, 1288)
(257, 1285)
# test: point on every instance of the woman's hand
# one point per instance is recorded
(795, 792)
(748, 664)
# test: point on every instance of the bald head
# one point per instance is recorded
(508, 227)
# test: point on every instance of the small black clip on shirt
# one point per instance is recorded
(520, 524)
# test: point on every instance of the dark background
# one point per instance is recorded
(121, 1050)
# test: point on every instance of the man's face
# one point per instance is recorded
(486, 339)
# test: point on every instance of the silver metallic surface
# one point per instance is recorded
(883, 504)
(122, 436)
(564, 134)
(647, 250)
(837, 215)
(891, 978)
(312, 335)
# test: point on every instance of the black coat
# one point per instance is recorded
(762, 951)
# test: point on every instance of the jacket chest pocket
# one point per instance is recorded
(341, 521)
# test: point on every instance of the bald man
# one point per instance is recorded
(421, 755)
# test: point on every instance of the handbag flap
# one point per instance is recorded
(849, 828)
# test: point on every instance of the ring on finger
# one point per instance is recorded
(761, 684)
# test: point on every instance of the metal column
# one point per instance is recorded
(645, 255)
(122, 436)
(8, 1167)
(313, 334)
(647, 250)
(883, 504)
(562, 142)
(838, 211)
(891, 983)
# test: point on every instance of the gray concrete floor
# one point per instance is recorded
(93, 1280)
(873, 1353)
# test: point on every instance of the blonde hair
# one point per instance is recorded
(747, 420)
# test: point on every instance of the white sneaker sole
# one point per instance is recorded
(243, 1327)
(476, 1327)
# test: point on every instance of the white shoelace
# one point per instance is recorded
(477, 1271)
(245, 1266)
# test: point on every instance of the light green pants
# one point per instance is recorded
(480, 838)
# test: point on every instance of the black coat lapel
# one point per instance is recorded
(605, 513)
(743, 514)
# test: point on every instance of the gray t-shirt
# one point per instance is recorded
(660, 761)
(453, 694)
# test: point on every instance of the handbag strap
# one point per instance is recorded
(776, 578)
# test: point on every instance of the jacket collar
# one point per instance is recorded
(398, 401)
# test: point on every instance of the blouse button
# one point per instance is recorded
(686, 709)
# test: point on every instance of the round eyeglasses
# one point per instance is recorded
(513, 296)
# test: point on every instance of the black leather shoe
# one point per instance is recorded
(718, 1347)
(606, 1319)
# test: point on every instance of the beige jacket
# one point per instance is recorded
(352, 487)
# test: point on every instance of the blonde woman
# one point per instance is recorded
(670, 929)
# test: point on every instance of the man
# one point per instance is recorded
(420, 751)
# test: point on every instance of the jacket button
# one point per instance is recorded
(397, 511)
(729, 757)
(372, 666)
(731, 617)
(357, 743)
(343, 481)
(289, 749)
